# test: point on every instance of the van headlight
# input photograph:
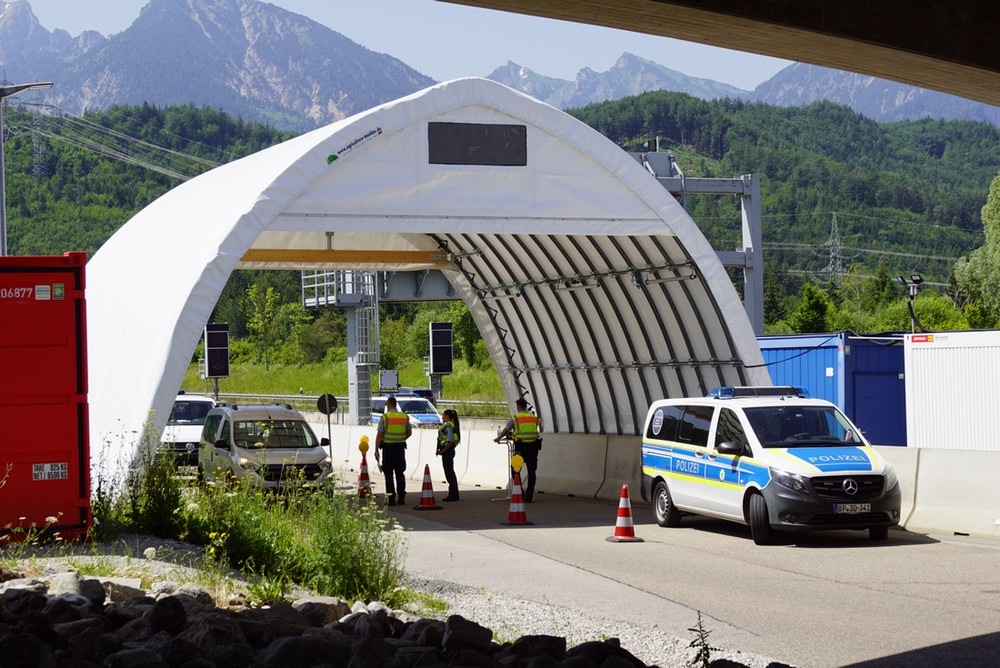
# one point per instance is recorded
(790, 480)
(326, 464)
(890, 478)
(248, 465)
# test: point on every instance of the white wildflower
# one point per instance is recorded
(149, 553)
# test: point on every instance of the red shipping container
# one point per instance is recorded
(44, 431)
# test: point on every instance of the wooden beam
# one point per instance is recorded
(355, 257)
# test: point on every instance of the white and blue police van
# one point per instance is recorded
(767, 457)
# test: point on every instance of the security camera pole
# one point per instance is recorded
(5, 92)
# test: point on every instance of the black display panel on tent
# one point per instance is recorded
(477, 144)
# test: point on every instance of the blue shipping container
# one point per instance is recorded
(862, 375)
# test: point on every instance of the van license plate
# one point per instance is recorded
(848, 508)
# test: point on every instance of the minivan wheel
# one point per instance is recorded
(878, 533)
(664, 509)
(760, 525)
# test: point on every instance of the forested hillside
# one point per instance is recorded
(904, 193)
(905, 198)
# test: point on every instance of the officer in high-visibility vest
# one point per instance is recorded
(393, 431)
(526, 428)
(449, 435)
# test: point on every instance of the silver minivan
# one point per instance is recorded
(271, 446)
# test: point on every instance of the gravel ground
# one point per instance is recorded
(511, 618)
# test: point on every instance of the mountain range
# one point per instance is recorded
(262, 63)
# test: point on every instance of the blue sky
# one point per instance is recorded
(446, 41)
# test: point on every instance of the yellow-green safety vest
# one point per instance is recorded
(525, 427)
(454, 433)
(395, 427)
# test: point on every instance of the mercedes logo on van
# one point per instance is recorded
(850, 486)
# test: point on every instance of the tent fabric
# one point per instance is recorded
(594, 291)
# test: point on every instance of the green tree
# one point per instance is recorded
(977, 276)
(465, 332)
(262, 308)
(811, 314)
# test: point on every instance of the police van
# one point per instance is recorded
(767, 457)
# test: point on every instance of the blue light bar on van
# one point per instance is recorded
(731, 392)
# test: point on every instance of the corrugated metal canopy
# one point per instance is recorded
(593, 289)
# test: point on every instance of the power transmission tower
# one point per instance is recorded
(39, 148)
(835, 249)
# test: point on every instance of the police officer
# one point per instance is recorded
(449, 436)
(526, 428)
(393, 431)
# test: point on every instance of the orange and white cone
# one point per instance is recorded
(516, 515)
(427, 493)
(624, 532)
(364, 482)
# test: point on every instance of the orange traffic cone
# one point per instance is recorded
(427, 493)
(516, 514)
(364, 482)
(624, 533)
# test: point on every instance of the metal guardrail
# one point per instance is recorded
(309, 403)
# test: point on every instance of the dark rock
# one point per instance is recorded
(460, 633)
(470, 658)
(532, 646)
(91, 644)
(599, 652)
(167, 614)
(231, 655)
(23, 602)
(136, 658)
(425, 633)
(175, 651)
(25, 650)
(214, 630)
(321, 610)
(312, 650)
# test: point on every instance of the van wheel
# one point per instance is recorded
(760, 525)
(664, 509)
(878, 533)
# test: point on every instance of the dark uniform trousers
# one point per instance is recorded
(529, 452)
(394, 467)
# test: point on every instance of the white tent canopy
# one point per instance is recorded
(593, 289)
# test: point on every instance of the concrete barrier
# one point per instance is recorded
(572, 464)
(956, 492)
(623, 467)
(904, 462)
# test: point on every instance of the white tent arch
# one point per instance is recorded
(593, 289)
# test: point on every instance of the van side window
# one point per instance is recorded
(730, 429)
(224, 435)
(693, 428)
(663, 425)
(211, 428)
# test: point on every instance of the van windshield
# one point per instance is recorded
(802, 426)
(189, 412)
(258, 434)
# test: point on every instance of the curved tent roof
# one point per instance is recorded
(593, 289)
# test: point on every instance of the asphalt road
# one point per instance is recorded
(812, 600)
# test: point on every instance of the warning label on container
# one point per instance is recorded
(43, 292)
(59, 471)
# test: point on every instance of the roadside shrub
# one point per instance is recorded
(317, 537)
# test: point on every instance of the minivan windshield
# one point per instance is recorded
(802, 426)
(258, 434)
(189, 412)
